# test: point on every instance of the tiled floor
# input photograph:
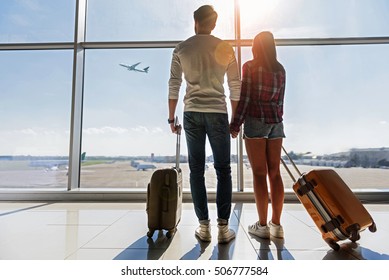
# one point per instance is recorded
(106, 231)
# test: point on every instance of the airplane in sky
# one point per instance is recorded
(133, 67)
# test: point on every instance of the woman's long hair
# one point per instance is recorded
(264, 51)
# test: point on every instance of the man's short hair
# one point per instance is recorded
(205, 16)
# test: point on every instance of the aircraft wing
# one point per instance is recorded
(134, 65)
(130, 67)
(125, 65)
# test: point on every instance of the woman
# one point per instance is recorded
(261, 109)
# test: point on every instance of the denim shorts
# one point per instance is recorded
(257, 128)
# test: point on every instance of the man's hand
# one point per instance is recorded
(175, 128)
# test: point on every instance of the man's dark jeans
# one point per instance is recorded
(216, 126)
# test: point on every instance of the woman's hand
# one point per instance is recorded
(234, 133)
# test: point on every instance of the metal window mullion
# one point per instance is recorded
(239, 141)
(36, 46)
(332, 41)
(238, 42)
(77, 97)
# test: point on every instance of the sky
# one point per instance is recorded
(336, 96)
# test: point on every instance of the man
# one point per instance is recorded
(204, 60)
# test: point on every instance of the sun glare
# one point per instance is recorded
(258, 12)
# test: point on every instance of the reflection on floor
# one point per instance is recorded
(117, 231)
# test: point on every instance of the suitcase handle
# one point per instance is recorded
(292, 162)
(178, 143)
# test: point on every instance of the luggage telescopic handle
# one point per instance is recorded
(178, 143)
(292, 162)
(287, 169)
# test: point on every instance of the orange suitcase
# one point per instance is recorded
(334, 208)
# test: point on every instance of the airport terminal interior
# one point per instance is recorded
(83, 125)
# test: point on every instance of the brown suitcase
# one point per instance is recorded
(334, 208)
(164, 196)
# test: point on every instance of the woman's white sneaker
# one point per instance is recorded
(260, 231)
(276, 230)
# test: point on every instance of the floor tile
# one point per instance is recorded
(117, 231)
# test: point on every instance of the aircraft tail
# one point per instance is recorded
(146, 69)
(83, 155)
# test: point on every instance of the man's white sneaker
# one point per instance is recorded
(260, 231)
(203, 232)
(225, 234)
(276, 230)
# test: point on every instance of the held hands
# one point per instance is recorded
(234, 133)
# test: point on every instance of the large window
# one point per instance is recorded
(29, 21)
(315, 19)
(125, 115)
(35, 116)
(335, 106)
(125, 130)
(335, 110)
(152, 20)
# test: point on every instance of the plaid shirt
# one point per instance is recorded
(262, 95)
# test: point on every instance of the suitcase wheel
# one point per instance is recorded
(335, 246)
(355, 236)
(150, 233)
(373, 227)
(170, 233)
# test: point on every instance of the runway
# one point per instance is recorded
(121, 174)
